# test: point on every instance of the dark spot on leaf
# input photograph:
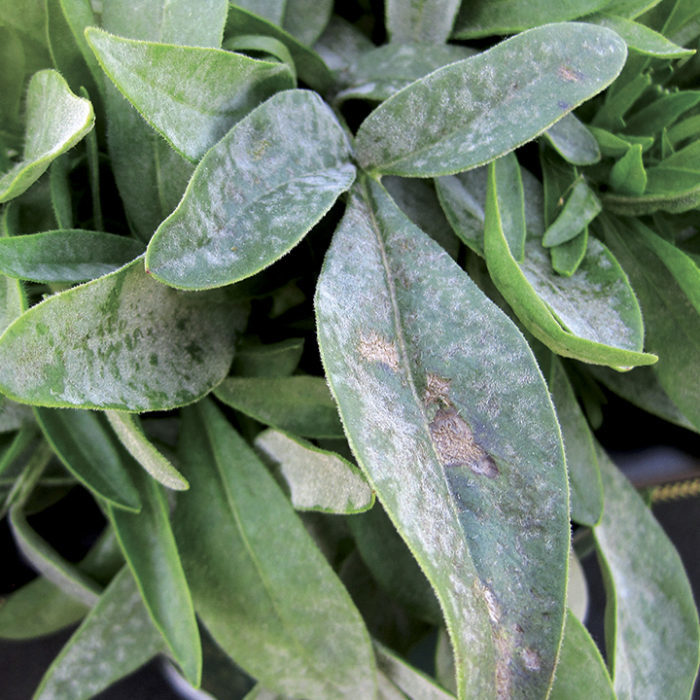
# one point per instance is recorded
(455, 444)
(563, 105)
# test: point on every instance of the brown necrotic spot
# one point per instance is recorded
(531, 659)
(377, 349)
(455, 444)
(437, 389)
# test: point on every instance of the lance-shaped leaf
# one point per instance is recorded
(573, 141)
(301, 405)
(341, 44)
(639, 37)
(82, 442)
(122, 341)
(254, 359)
(457, 437)
(191, 95)
(128, 428)
(651, 651)
(420, 20)
(272, 603)
(490, 17)
(580, 209)
(581, 672)
(149, 547)
(310, 67)
(317, 479)
(566, 257)
(255, 194)
(71, 255)
(306, 19)
(566, 327)
(472, 111)
(56, 121)
(116, 638)
(671, 314)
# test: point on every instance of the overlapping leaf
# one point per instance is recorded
(255, 194)
(415, 356)
(122, 341)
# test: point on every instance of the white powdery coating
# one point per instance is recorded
(116, 638)
(317, 480)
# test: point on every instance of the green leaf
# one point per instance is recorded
(490, 17)
(81, 440)
(553, 313)
(630, 8)
(640, 568)
(628, 176)
(581, 207)
(56, 121)
(267, 47)
(378, 73)
(567, 257)
(48, 562)
(289, 160)
(69, 255)
(272, 603)
(577, 597)
(341, 44)
(413, 21)
(662, 112)
(129, 431)
(149, 547)
(310, 67)
(190, 95)
(573, 141)
(28, 18)
(317, 479)
(411, 681)
(116, 638)
(614, 145)
(270, 360)
(122, 341)
(271, 10)
(306, 19)
(11, 81)
(618, 102)
(133, 145)
(671, 318)
(393, 565)
(430, 404)
(511, 203)
(301, 405)
(446, 122)
(688, 128)
(582, 464)
(61, 199)
(639, 37)
(581, 673)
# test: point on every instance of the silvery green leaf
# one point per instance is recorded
(475, 110)
(306, 19)
(116, 638)
(573, 141)
(341, 44)
(410, 21)
(191, 95)
(434, 414)
(580, 208)
(122, 341)
(56, 120)
(277, 172)
(577, 591)
(651, 652)
(317, 479)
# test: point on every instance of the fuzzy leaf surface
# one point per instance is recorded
(116, 638)
(255, 194)
(412, 351)
(475, 110)
(122, 341)
(148, 543)
(317, 479)
(301, 405)
(573, 141)
(272, 603)
(191, 95)
(56, 120)
(649, 654)
(411, 21)
(70, 255)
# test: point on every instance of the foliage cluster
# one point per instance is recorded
(316, 304)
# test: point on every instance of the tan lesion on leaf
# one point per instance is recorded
(455, 444)
(569, 74)
(374, 348)
(437, 390)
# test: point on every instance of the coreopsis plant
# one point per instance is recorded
(315, 303)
